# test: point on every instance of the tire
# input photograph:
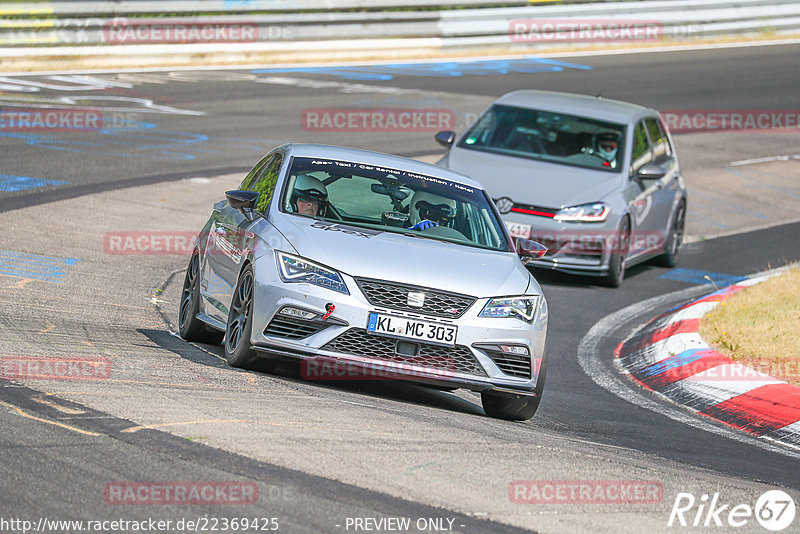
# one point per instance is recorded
(508, 406)
(616, 263)
(189, 326)
(673, 242)
(238, 350)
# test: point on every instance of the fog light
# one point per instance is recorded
(298, 313)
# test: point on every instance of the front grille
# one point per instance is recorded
(512, 364)
(359, 342)
(292, 328)
(395, 296)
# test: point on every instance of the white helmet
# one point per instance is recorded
(306, 186)
(607, 144)
(426, 205)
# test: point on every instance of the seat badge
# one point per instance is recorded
(415, 299)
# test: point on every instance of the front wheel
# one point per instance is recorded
(509, 406)
(238, 350)
(673, 242)
(616, 261)
(190, 327)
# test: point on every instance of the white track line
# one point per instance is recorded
(589, 360)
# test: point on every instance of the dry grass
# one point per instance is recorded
(760, 327)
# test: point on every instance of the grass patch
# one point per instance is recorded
(760, 327)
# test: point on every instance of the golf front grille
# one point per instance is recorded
(393, 295)
(358, 342)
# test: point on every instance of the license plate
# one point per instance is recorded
(405, 328)
(519, 230)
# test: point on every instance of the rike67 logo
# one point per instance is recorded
(774, 510)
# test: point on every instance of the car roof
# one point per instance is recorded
(575, 104)
(380, 159)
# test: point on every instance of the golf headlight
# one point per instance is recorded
(595, 212)
(521, 307)
(294, 269)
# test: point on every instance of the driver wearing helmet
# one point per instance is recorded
(309, 197)
(431, 210)
(607, 145)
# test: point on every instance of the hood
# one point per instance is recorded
(533, 182)
(361, 252)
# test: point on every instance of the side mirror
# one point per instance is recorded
(242, 200)
(445, 138)
(529, 250)
(650, 171)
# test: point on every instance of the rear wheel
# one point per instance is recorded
(673, 242)
(509, 406)
(616, 262)
(190, 327)
(238, 350)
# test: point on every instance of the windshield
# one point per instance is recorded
(553, 137)
(392, 200)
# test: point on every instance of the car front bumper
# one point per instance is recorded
(340, 348)
(574, 248)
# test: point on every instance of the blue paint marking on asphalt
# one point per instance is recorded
(494, 67)
(9, 182)
(678, 360)
(693, 276)
(137, 139)
(34, 266)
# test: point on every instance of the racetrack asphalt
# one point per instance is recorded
(355, 450)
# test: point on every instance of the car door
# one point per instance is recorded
(229, 238)
(642, 194)
(668, 188)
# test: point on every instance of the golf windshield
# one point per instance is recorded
(548, 136)
(392, 200)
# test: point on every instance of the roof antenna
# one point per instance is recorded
(599, 96)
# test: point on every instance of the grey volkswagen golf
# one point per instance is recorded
(365, 265)
(597, 181)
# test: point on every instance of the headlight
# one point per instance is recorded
(596, 212)
(294, 269)
(521, 307)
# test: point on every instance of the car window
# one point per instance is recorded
(553, 137)
(392, 200)
(658, 139)
(354, 197)
(252, 176)
(265, 185)
(641, 147)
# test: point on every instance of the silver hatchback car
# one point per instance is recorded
(597, 181)
(369, 266)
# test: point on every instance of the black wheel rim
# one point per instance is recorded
(677, 232)
(187, 297)
(240, 311)
(624, 243)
